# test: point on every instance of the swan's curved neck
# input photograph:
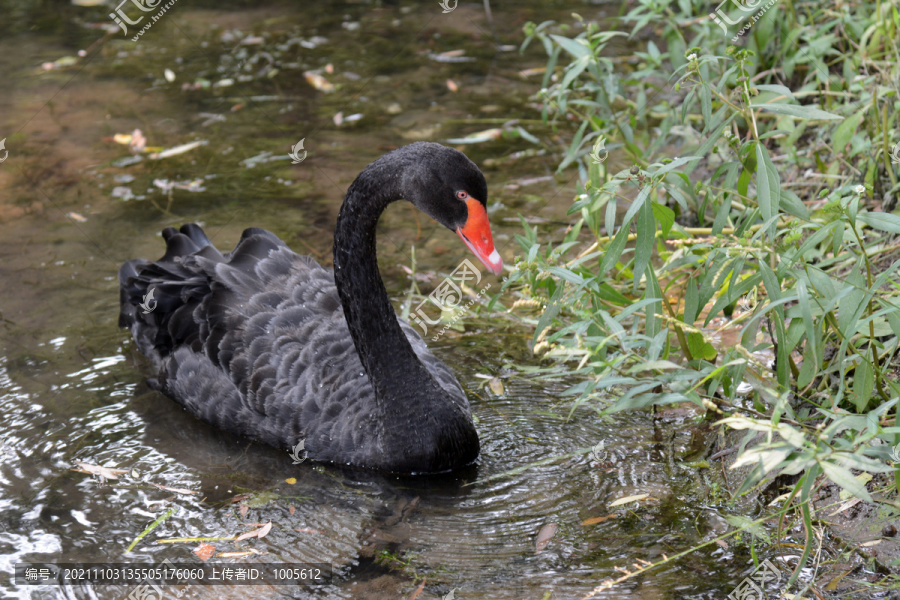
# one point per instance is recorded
(392, 365)
(421, 426)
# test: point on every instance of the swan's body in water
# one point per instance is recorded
(267, 344)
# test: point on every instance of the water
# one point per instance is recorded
(72, 385)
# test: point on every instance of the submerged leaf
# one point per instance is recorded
(544, 536)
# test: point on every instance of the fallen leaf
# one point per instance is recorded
(291, 481)
(418, 591)
(98, 470)
(243, 510)
(291, 509)
(257, 533)
(76, 217)
(318, 82)
(205, 551)
(629, 499)
(451, 85)
(496, 386)
(596, 520)
(544, 536)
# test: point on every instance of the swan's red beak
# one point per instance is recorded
(476, 233)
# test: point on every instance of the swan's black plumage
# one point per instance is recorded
(267, 344)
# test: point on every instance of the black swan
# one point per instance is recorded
(267, 344)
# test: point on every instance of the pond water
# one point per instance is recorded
(76, 205)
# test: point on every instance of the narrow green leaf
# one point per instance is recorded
(768, 187)
(863, 384)
(550, 312)
(881, 221)
(844, 478)
(578, 48)
(646, 235)
(796, 110)
(777, 89)
(843, 132)
(614, 250)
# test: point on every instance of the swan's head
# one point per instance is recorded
(447, 186)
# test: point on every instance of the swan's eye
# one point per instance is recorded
(462, 194)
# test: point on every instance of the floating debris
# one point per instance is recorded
(169, 74)
(451, 85)
(165, 185)
(175, 151)
(317, 81)
(65, 61)
(544, 536)
(263, 157)
(316, 40)
(166, 488)
(211, 118)
(340, 119)
(451, 56)
(76, 217)
(496, 386)
(256, 533)
(629, 499)
(596, 520)
(126, 161)
(205, 551)
(102, 472)
(122, 192)
(532, 72)
(488, 135)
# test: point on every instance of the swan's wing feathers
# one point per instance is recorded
(255, 342)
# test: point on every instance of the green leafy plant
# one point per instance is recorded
(749, 213)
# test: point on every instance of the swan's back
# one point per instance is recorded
(255, 342)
